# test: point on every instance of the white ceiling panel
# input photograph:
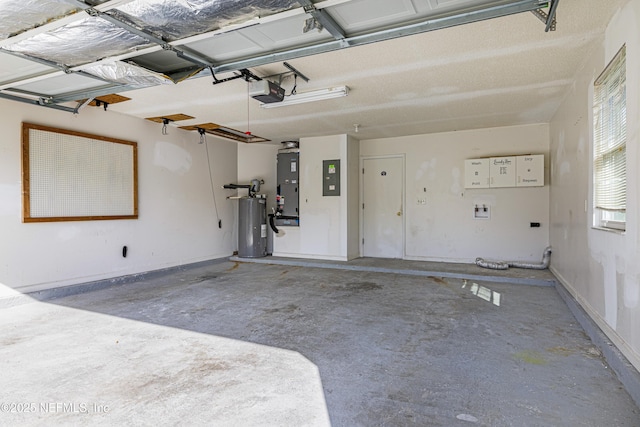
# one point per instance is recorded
(286, 32)
(360, 14)
(225, 46)
(435, 4)
(258, 38)
(13, 68)
(62, 84)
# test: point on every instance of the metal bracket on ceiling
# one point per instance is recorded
(245, 74)
(320, 20)
(248, 75)
(292, 71)
(82, 104)
(549, 19)
(203, 137)
(105, 105)
(92, 12)
(165, 122)
(296, 72)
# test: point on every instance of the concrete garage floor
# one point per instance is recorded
(243, 344)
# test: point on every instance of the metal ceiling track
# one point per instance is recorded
(193, 57)
(50, 101)
(322, 18)
(466, 17)
(47, 101)
(40, 102)
(190, 56)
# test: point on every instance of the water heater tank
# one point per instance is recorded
(252, 227)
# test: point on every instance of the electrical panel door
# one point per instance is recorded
(331, 177)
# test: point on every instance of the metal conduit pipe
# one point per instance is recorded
(502, 265)
(494, 265)
(546, 257)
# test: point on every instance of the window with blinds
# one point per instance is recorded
(609, 145)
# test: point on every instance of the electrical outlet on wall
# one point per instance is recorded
(422, 200)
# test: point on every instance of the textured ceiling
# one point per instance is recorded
(500, 72)
(497, 72)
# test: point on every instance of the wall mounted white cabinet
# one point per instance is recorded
(530, 171)
(502, 171)
(476, 173)
(505, 172)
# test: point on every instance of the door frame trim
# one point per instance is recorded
(401, 156)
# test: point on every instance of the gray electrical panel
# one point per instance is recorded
(288, 197)
(331, 177)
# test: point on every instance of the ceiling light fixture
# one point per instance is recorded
(312, 96)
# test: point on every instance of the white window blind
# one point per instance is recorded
(610, 138)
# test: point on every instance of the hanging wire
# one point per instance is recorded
(203, 136)
(213, 193)
(295, 84)
(248, 132)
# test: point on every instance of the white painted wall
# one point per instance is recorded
(443, 229)
(325, 231)
(353, 198)
(601, 269)
(177, 222)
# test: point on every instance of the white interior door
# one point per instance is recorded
(383, 203)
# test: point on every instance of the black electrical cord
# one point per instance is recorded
(272, 224)
(213, 193)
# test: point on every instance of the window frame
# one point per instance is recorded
(610, 116)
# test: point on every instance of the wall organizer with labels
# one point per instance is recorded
(502, 172)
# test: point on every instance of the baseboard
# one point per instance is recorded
(318, 263)
(624, 369)
(438, 259)
(307, 256)
(64, 291)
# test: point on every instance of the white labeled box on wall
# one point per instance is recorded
(476, 173)
(502, 171)
(530, 170)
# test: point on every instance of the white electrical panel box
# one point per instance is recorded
(502, 171)
(476, 173)
(530, 171)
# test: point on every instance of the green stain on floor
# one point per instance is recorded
(531, 357)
